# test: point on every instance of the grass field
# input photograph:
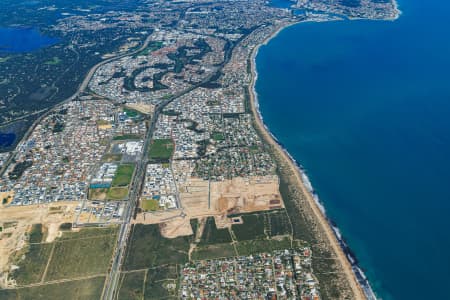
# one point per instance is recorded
(150, 205)
(277, 223)
(97, 194)
(117, 193)
(163, 289)
(127, 137)
(161, 150)
(131, 113)
(88, 233)
(112, 157)
(132, 285)
(55, 61)
(147, 248)
(102, 122)
(217, 136)
(87, 289)
(152, 46)
(212, 235)
(36, 233)
(81, 256)
(162, 283)
(259, 246)
(163, 272)
(123, 175)
(213, 251)
(253, 227)
(32, 267)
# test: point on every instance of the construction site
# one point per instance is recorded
(200, 199)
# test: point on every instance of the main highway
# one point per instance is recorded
(110, 290)
(112, 280)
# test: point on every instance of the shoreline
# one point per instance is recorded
(358, 282)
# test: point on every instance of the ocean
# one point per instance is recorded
(364, 107)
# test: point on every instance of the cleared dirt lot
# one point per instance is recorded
(246, 194)
(199, 198)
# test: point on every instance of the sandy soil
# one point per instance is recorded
(318, 215)
(9, 196)
(195, 198)
(246, 194)
(200, 198)
(180, 226)
(157, 216)
(13, 237)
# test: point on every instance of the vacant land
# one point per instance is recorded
(202, 198)
(123, 175)
(218, 136)
(98, 194)
(212, 235)
(150, 205)
(31, 262)
(259, 232)
(176, 227)
(117, 193)
(55, 61)
(154, 283)
(142, 108)
(277, 223)
(132, 285)
(76, 257)
(110, 157)
(162, 283)
(148, 248)
(253, 227)
(88, 233)
(213, 251)
(161, 150)
(86, 289)
(131, 113)
(127, 137)
(259, 246)
(152, 46)
(18, 232)
(36, 233)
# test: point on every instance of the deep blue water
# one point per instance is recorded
(364, 106)
(18, 40)
(7, 139)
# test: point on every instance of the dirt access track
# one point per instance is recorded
(16, 221)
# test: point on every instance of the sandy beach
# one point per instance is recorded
(318, 215)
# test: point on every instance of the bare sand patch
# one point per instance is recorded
(194, 197)
(6, 197)
(241, 194)
(16, 221)
(157, 216)
(176, 227)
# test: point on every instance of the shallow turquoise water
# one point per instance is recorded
(364, 106)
